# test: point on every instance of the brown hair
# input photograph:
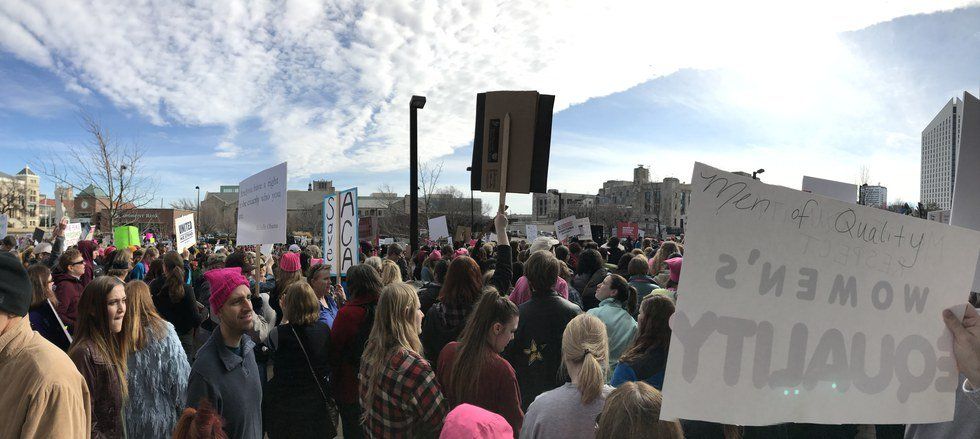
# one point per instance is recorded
(174, 282)
(463, 283)
(623, 292)
(121, 264)
(39, 275)
(474, 347)
(200, 423)
(140, 315)
(659, 260)
(638, 265)
(66, 258)
(654, 330)
(93, 326)
(585, 342)
(363, 280)
(300, 305)
(541, 271)
(633, 411)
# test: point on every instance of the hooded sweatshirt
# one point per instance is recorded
(87, 249)
(68, 289)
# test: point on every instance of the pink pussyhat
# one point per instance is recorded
(223, 281)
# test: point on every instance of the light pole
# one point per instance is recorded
(197, 214)
(757, 172)
(555, 192)
(414, 105)
(472, 222)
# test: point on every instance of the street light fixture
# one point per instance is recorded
(414, 105)
(757, 172)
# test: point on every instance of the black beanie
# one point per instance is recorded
(15, 286)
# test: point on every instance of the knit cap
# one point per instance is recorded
(675, 268)
(435, 255)
(15, 286)
(289, 262)
(468, 421)
(223, 281)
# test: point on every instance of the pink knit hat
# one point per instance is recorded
(468, 421)
(435, 255)
(289, 262)
(223, 281)
(460, 252)
(675, 268)
(316, 261)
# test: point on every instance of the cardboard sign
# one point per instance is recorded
(463, 233)
(845, 192)
(38, 235)
(3, 225)
(583, 229)
(565, 228)
(438, 228)
(795, 307)
(341, 237)
(965, 210)
(73, 233)
(627, 229)
(184, 230)
(125, 236)
(532, 231)
(262, 207)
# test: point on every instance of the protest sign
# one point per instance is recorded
(38, 235)
(125, 236)
(438, 228)
(262, 207)
(565, 228)
(73, 232)
(3, 225)
(627, 229)
(184, 229)
(795, 307)
(583, 229)
(965, 210)
(845, 192)
(341, 225)
(531, 231)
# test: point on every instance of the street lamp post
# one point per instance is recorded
(414, 105)
(197, 214)
(472, 222)
(757, 172)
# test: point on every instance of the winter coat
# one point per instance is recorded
(44, 320)
(232, 384)
(649, 368)
(351, 319)
(105, 388)
(644, 285)
(68, 289)
(43, 394)
(293, 406)
(87, 250)
(157, 377)
(182, 314)
(620, 327)
(586, 284)
(429, 295)
(496, 391)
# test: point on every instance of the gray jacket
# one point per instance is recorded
(231, 383)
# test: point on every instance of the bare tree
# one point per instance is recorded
(394, 221)
(429, 174)
(13, 196)
(864, 177)
(184, 204)
(108, 165)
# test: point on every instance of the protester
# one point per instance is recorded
(120, 264)
(638, 277)
(68, 286)
(155, 271)
(658, 263)
(224, 370)
(570, 411)
(8, 244)
(390, 272)
(157, 367)
(398, 388)
(472, 422)
(43, 395)
(429, 293)
(349, 335)
(330, 298)
(100, 350)
(535, 354)
(140, 268)
(459, 294)
(427, 271)
(472, 371)
(174, 300)
(633, 411)
(289, 273)
(522, 292)
(295, 404)
(42, 314)
(376, 263)
(646, 358)
(395, 253)
(200, 423)
(590, 273)
(674, 265)
(87, 250)
(49, 253)
(616, 309)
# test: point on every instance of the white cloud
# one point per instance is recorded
(330, 81)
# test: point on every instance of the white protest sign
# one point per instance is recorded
(438, 228)
(583, 229)
(262, 207)
(641, 233)
(845, 192)
(565, 228)
(532, 231)
(965, 210)
(3, 225)
(341, 236)
(73, 232)
(184, 229)
(794, 307)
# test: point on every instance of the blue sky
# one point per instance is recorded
(221, 91)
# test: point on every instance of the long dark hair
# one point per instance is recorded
(93, 326)
(654, 330)
(363, 280)
(39, 275)
(463, 283)
(589, 261)
(623, 292)
(474, 347)
(173, 284)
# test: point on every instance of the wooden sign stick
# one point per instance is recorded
(504, 153)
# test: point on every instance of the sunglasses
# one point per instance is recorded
(76, 263)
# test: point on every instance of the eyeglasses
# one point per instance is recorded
(76, 263)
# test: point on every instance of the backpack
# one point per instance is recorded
(355, 349)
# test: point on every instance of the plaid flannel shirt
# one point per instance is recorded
(407, 401)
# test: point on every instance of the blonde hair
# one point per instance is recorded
(300, 305)
(394, 328)
(585, 342)
(375, 263)
(141, 315)
(633, 410)
(390, 273)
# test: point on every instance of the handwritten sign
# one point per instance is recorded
(565, 228)
(73, 232)
(583, 229)
(184, 229)
(795, 307)
(438, 228)
(340, 221)
(845, 192)
(532, 231)
(262, 207)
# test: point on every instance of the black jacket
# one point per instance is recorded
(183, 314)
(428, 295)
(535, 352)
(586, 285)
(293, 406)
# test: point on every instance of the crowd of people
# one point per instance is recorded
(530, 339)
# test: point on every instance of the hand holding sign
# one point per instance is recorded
(966, 343)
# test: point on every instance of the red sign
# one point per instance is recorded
(624, 229)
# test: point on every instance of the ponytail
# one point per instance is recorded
(624, 293)
(174, 282)
(585, 342)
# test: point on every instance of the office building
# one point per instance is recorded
(940, 140)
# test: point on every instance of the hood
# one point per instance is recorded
(86, 248)
(63, 276)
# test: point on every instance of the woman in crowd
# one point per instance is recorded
(646, 358)
(429, 293)
(330, 299)
(666, 251)
(87, 250)
(471, 371)
(570, 410)
(99, 352)
(42, 315)
(398, 389)
(638, 277)
(295, 400)
(349, 335)
(633, 411)
(616, 309)
(157, 367)
(174, 300)
(68, 286)
(390, 273)
(590, 273)
(155, 271)
(674, 266)
(202, 422)
(120, 264)
(623, 266)
(289, 273)
(376, 263)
